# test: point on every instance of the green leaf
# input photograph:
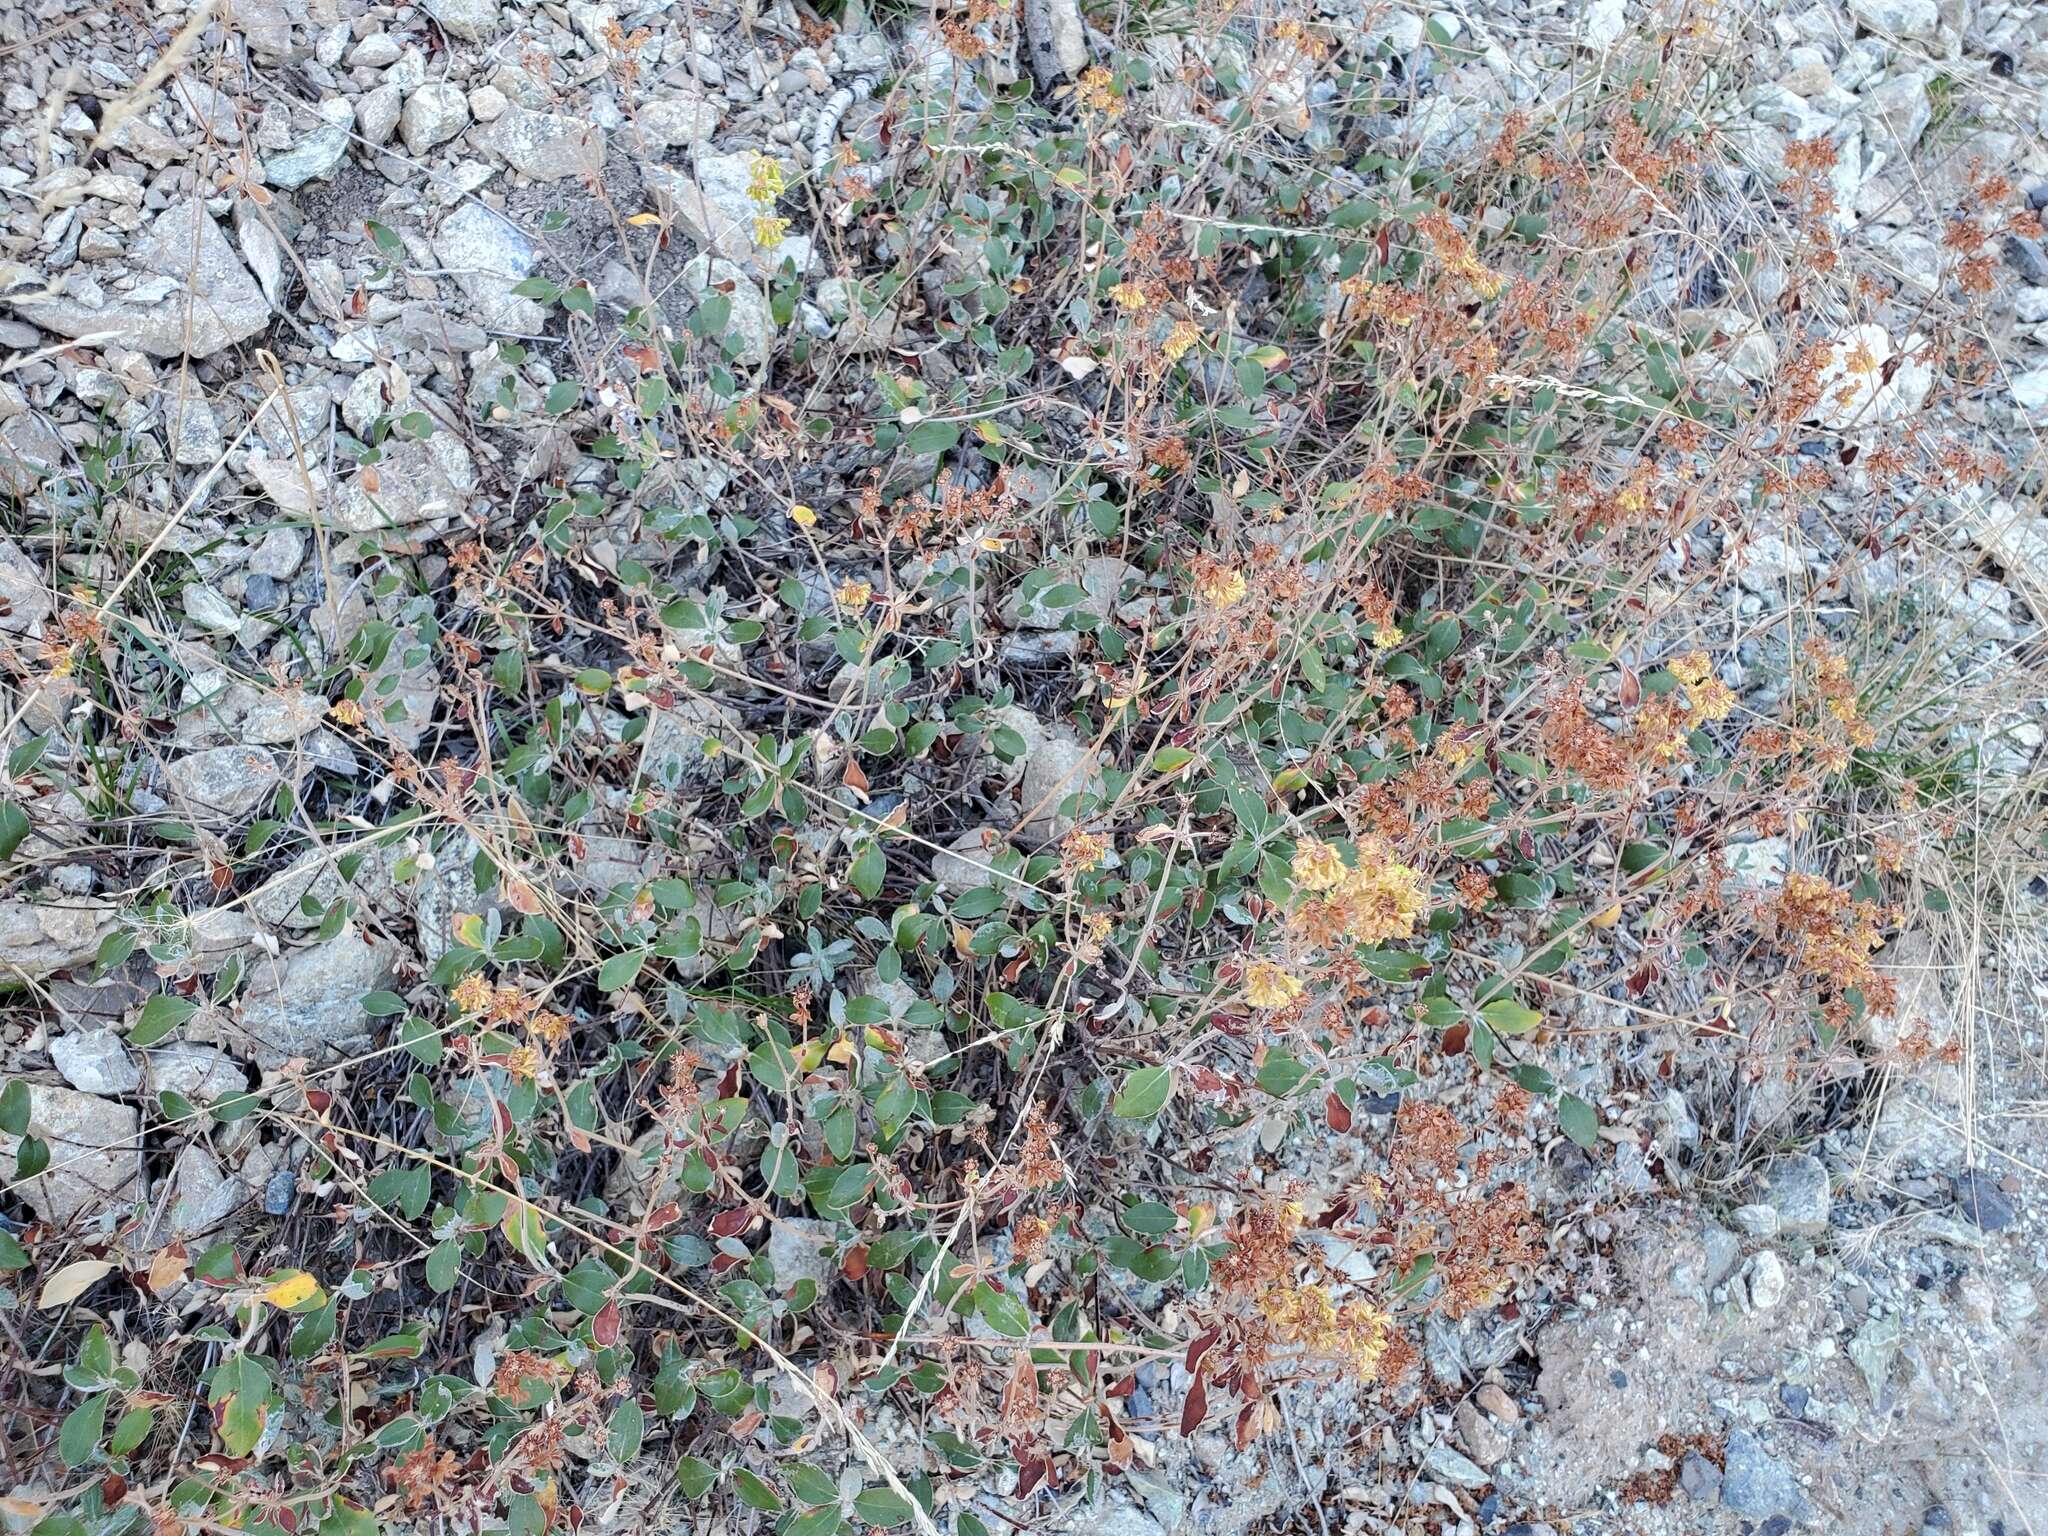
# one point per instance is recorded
(131, 1430)
(12, 1255)
(934, 437)
(809, 1485)
(1144, 1093)
(695, 1477)
(628, 1425)
(618, 972)
(870, 865)
(588, 1286)
(444, 1266)
(14, 828)
(240, 1395)
(1509, 1017)
(83, 1426)
(882, 1506)
(562, 397)
(755, 1493)
(1002, 1311)
(526, 1232)
(1580, 1120)
(14, 1107)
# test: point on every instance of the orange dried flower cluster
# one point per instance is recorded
(1832, 936)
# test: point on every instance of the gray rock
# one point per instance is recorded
(1796, 1188)
(1100, 580)
(1057, 765)
(1700, 1478)
(544, 145)
(1769, 561)
(223, 783)
(966, 868)
(1899, 18)
(377, 113)
(2028, 257)
(1765, 1279)
(418, 480)
(1447, 1464)
(1723, 1251)
(93, 1153)
(1990, 1207)
(24, 597)
(750, 320)
(1755, 1485)
(711, 203)
(1897, 112)
(200, 1073)
(202, 1196)
(1759, 865)
(801, 1249)
(678, 120)
(674, 752)
(308, 1003)
(191, 293)
(96, 1061)
(488, 254)
(2030, 394)
(433, 115)
(474, 21)
(37, 938)
(210, 611)
(316, 156)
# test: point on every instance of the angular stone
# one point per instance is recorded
(317, 155)
(194, 295)
(96, 1061)
(545, 146)
(24, 597)
(713, 204)
(93, 1153)
(418, 480)
(1796, 1187)
(37, 938)
(202, 1196)
(486, 254)
(474, 21)
(223, 783)
(308, 1003)
(675, 750)
(433, 115)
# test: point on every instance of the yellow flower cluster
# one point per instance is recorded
(1304, 1315)
(1379, 899)
(1710, 698)
(1267, 985)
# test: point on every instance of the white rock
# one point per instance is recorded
(750, 321)
(192, 294)
(94, 1154)
(487, 254)
(433, 114)
(711, 203)
(678, 120)
(2030, 394)
(96, 1061)
(377, 113)
(1604, 23)
(1759, 865)
(1765, 1280)
(1900, 18)
(545, 146)
(308, 1002)
(223, 783)
(474, 21)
